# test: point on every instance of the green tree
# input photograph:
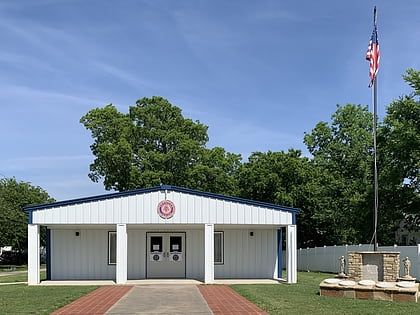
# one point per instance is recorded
(343, 152)
(399, 152)
(154, 144)
(214, 171)
(287, 179)
(14, 196)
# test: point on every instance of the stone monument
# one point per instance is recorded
(407, 266)
(374, 276)
(342, 273)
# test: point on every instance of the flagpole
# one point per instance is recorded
(375, 157)
(375, 169)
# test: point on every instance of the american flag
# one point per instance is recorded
(373, 54)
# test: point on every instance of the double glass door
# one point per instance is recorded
(166, 255)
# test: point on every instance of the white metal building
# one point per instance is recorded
(162, 232)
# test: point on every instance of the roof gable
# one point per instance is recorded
(143, 206)
(160, 188)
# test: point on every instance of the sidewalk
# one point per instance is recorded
(161, 299)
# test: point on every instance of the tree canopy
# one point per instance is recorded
(399, 153)
(15, 195)
(343, 152)
(154, 144)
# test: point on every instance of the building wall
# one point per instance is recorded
(85, 256)
(136, 254)
(82, 257)
(247, 256)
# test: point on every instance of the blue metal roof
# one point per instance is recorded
(160, 188)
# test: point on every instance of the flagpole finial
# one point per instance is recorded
(374, 15)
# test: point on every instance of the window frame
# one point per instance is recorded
(109, 247)
(222, 248)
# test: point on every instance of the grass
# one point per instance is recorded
(303, 298)
(23, 299)
(20, 277)
(6, 268)
(10, 268)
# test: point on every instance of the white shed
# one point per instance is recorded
(162, 232)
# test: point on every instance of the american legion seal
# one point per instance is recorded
(166, 209)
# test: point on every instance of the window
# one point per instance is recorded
(156, 244)
(218, 247)
(112, 248)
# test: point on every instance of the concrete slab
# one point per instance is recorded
(76, 283)
(249, 281)
(162, 299)
(162, 281)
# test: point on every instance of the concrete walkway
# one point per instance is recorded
(162, 299)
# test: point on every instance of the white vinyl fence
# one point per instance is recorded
(326, 259)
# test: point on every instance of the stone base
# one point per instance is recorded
(357, 291)
(341, 276)
(405, 278)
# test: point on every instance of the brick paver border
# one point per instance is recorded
(224, 300)
(96, 302)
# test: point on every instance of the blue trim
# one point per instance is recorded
(48, 253)
(294, 218)
(30, 209)
(279, 253)
(29, 217)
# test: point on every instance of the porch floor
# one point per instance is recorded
(160, 281)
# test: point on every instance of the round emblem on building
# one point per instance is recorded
(166, 209)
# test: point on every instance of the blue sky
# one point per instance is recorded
(259, 73)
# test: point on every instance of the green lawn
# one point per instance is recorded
(6, 268)
(303, 298)
(21, 277)
(23, 299)
(9, 268)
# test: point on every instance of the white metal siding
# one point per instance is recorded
(86, 256)
(142, 209)
(80, 257)
(136, 259)
(195, 254)
(248, 256)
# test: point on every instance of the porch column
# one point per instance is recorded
(121, 268)
(291, 254)
(279, 254)
(33, 254)
(208, 253)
